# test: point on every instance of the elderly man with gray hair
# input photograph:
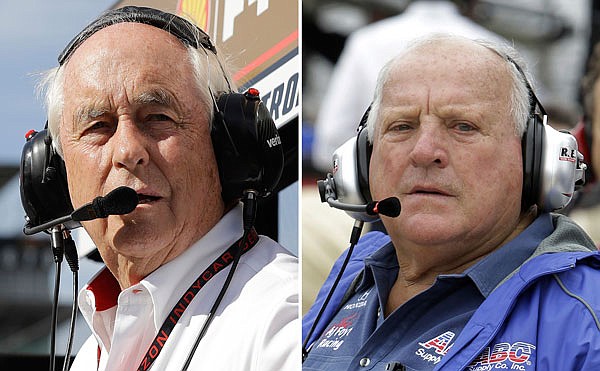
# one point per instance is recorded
(142, 99)
(476, 272)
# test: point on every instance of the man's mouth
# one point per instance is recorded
(146, 199)
(427, 191)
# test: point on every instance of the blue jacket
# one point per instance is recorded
(544, 316)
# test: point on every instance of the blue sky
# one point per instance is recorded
(32, 34)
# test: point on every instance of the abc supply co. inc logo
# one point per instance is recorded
(434, 349)
(515, 356)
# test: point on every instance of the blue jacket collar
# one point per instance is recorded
(563, 250)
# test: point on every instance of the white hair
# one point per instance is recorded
(210, 72)
(520, 102)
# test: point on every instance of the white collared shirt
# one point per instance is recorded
(255, 328)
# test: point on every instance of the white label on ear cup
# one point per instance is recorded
(274, 141)
(567, 154)
(336, 166)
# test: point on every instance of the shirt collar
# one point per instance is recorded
(487, 273)
(490, 271)
(384, 257)
(105, 290)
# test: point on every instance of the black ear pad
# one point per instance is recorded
(532, 149)
(247, 145)
(364, 149)
(43, 180)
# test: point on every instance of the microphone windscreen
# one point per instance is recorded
(119, 201)
(388, 207)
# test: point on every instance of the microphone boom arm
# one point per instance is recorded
(119, 201)
(42, 227)
(368, 212)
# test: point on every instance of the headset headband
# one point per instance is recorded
(533, 99)
(185, 31)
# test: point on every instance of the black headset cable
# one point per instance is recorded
(73, 261)
(356, 231)
(56, 241)
(249, 217)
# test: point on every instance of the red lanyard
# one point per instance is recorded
(173, 317)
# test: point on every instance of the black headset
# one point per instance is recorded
(553, 167)
(245, 139)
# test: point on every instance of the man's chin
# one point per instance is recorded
(424, 228)
(135, 238)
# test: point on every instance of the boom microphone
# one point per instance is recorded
(389, 207)
(119, 201)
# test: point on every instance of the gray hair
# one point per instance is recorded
(520, 98)
(210, 72)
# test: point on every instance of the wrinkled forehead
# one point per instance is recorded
(437, 64)
(128, 62)
(452, 54)
(127, 55)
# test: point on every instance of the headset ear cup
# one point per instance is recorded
(532, 149)
(43, 181)
(247, 146)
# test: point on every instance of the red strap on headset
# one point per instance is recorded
(579, 133)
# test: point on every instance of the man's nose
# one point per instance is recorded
(129, 146)
(430, 147)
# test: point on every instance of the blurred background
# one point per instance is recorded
(346, 42)
(32, 34)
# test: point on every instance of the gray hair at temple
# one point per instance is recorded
(210, 72)
(520, 99)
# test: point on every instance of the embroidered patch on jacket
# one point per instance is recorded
(334, 336)
(434, 349)
(516, 356)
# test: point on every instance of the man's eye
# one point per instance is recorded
(465, 127)
(158, 117)
(400, 127)
(98, 130)
(99, 125)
